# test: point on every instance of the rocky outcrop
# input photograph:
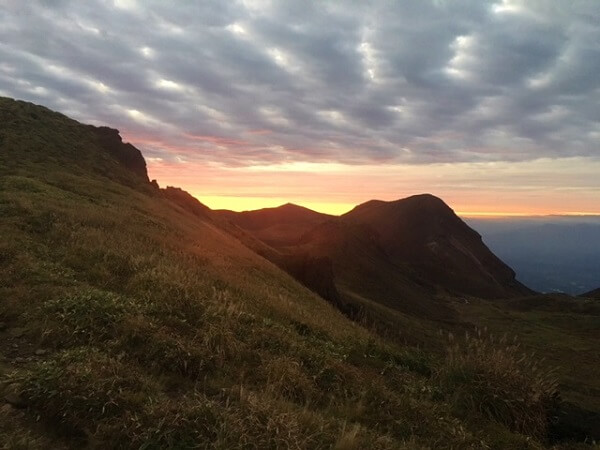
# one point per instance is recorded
(186, 201)
(130, 157)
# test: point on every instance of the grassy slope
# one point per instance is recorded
(566, 337)
(160, 330)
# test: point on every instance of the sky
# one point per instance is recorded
(493, 106)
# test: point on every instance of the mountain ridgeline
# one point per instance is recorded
(407, 254)
(136, 317)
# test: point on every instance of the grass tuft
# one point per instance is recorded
(495, 378)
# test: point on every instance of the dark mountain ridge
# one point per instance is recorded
(280, 226)
(404, 254)
(425, 233)
(397, 253)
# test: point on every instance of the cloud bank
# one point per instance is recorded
(261, 82)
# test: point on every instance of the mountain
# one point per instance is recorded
(279, 227)
(424, 233)
(126, 154)
(135, 317)
(404, 254)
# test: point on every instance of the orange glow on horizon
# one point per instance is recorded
(336, 209)
(567, 187)
(253, 203)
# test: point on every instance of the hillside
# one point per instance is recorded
(592, 294)
(133, 317)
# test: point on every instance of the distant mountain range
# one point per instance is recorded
(549, 254)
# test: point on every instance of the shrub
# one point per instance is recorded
(494, 378)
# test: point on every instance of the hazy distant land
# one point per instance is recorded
(548, 253)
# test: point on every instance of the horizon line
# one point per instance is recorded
(483, 214)
(255, 203)
(471, 214)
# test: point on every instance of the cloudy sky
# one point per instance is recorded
(494, 106)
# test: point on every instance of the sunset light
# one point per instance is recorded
(529, 188)
(300, 224)
(319, 106)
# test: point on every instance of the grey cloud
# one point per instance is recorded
(359, 82)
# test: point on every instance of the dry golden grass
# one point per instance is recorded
(497, 379)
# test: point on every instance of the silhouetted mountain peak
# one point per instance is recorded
(416, 207)
(413, 219)
(289, 208)
(292, 206)
(425, 202)
(288, 213)
(419, 237)
(425, 233)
